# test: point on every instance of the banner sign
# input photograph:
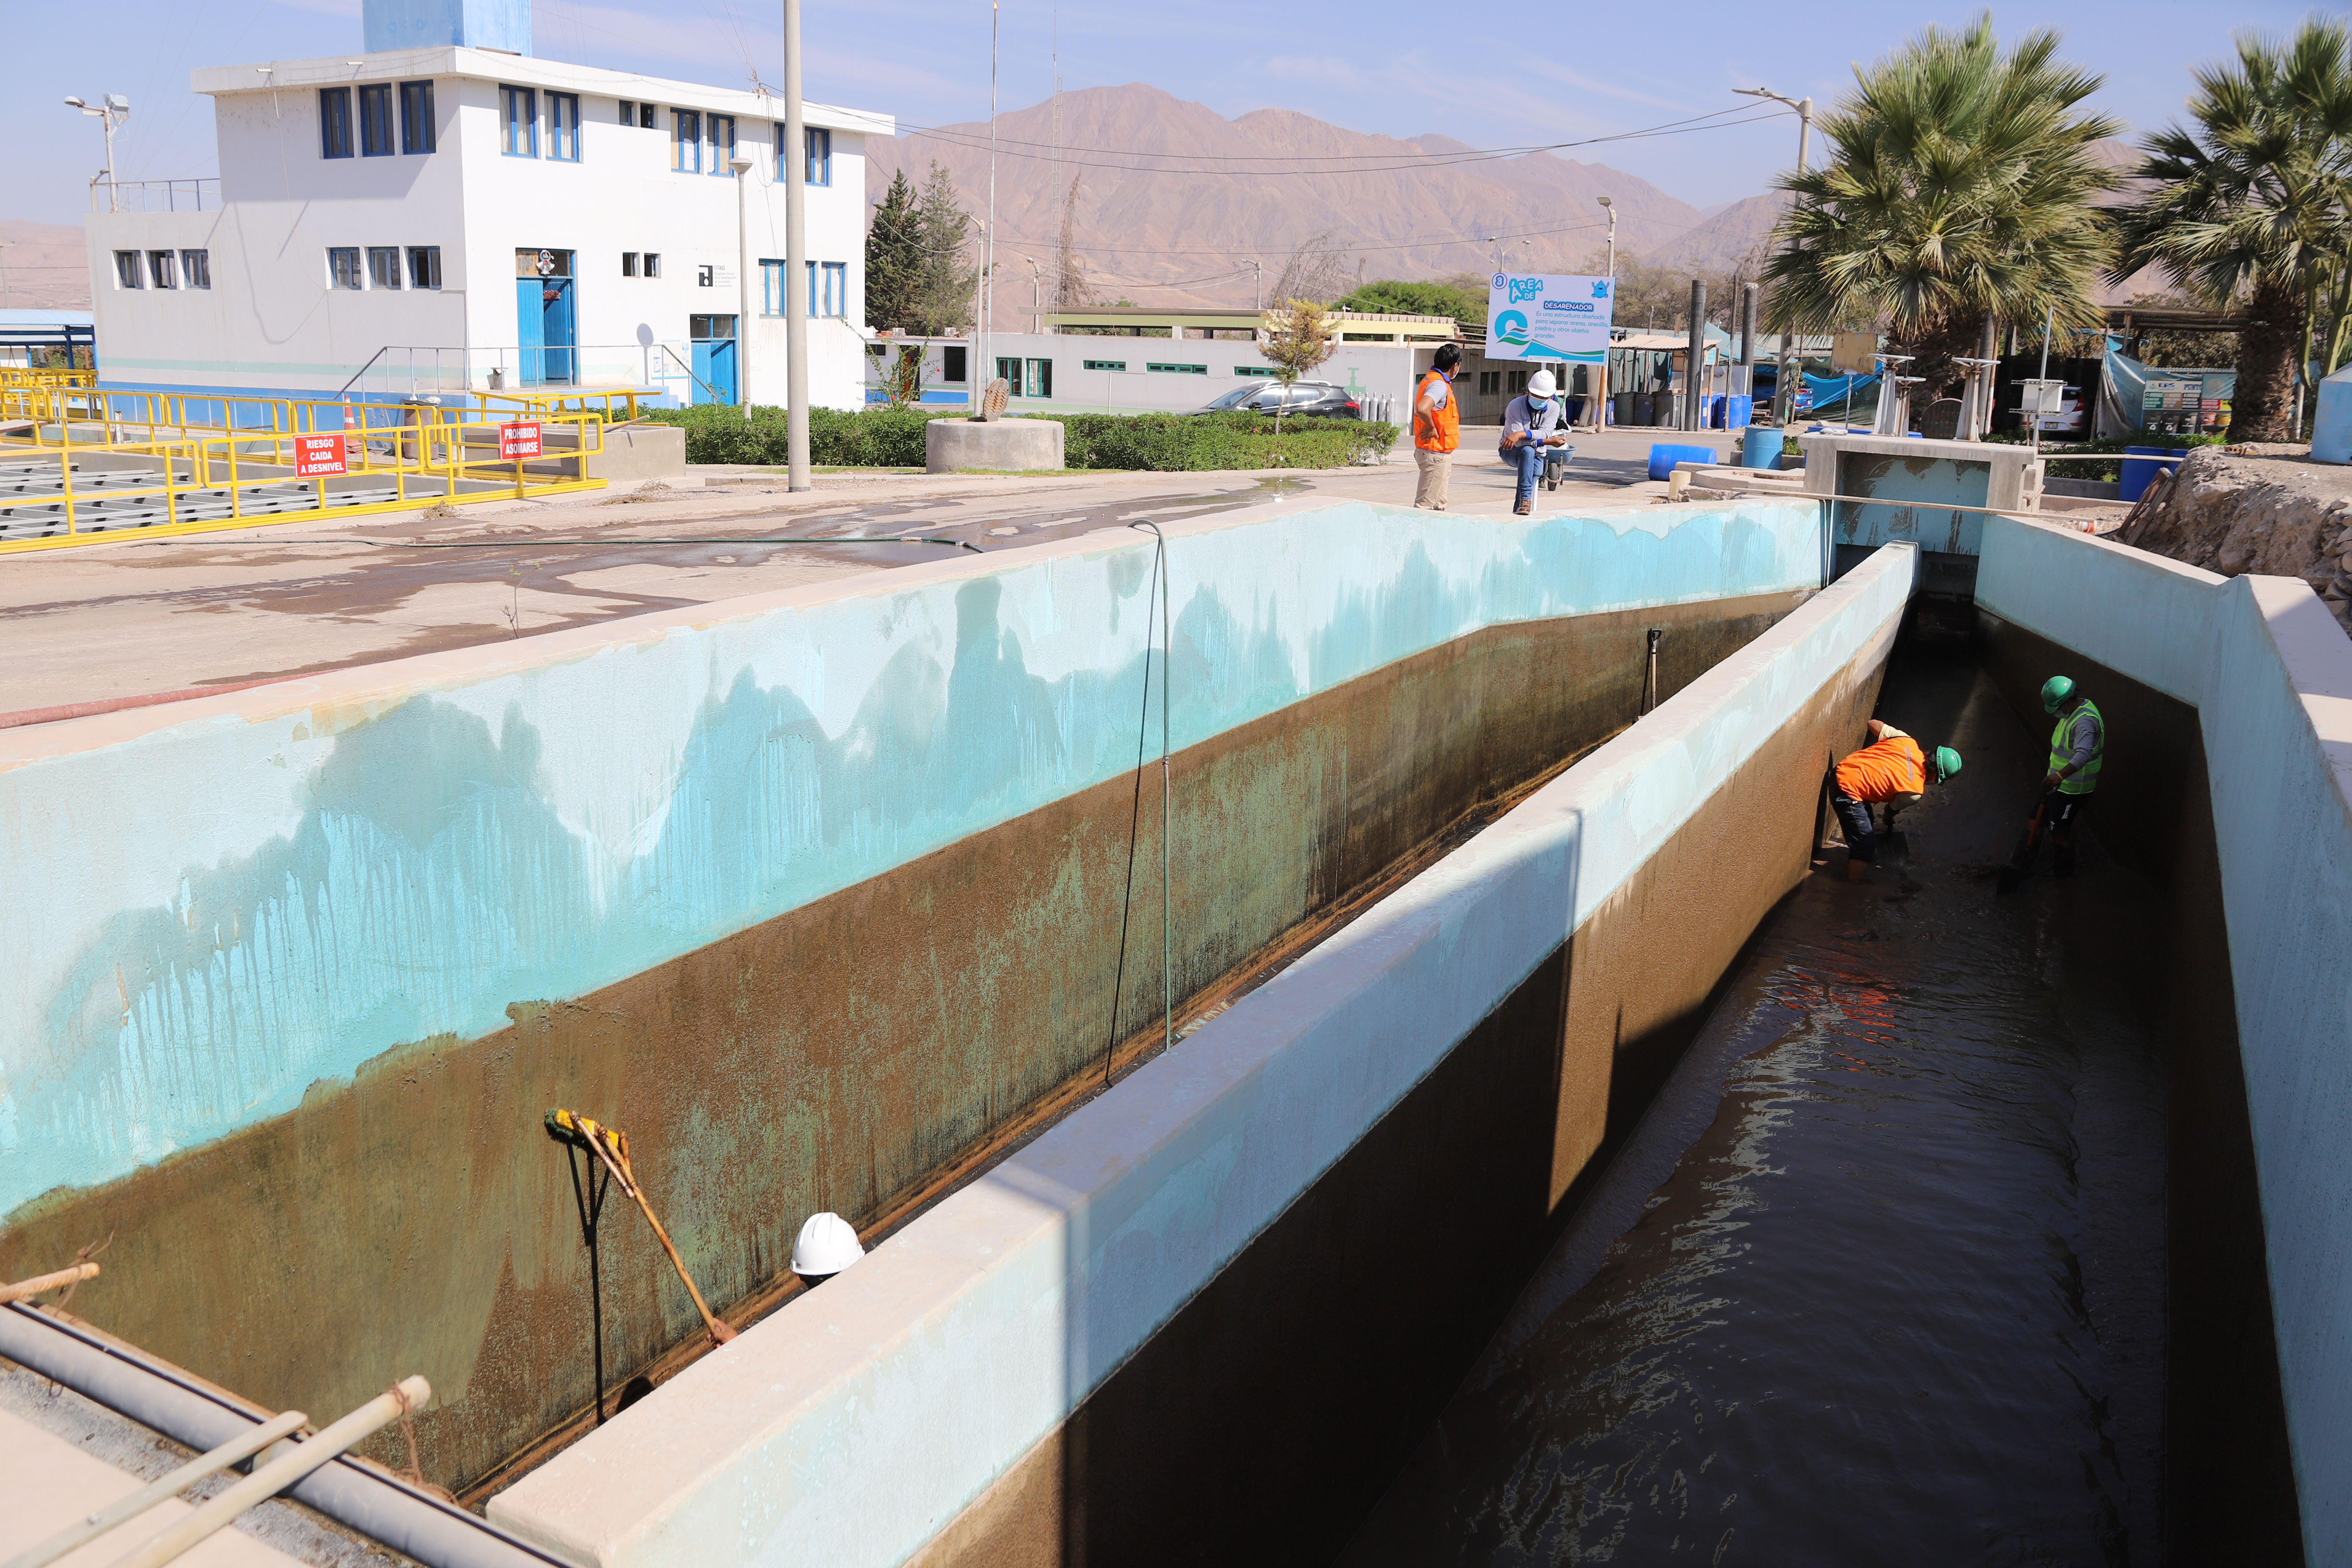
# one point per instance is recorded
(1548, 316)
(519, 438)
(316, 456)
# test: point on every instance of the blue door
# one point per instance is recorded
(546, 313)
(713, 341)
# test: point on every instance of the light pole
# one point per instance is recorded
(988, 230)
(112, 108)
(1600, 401)
(797, 326)
(742, 170)
(4, 244)
(1784, 389)
(1259, 304)
(1036, 320)
(974, 383)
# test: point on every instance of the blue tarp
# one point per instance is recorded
(1829, 389)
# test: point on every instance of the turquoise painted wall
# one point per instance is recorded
(209, 906)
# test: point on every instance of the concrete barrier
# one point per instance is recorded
(2270, 674)
(862, 1419)
(1010, 446)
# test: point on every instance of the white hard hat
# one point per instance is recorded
(1541, 384)
(826, 1245)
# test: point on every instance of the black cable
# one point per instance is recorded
(1135, 814)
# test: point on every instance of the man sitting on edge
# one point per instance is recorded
(1891, 772)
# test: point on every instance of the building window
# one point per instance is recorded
(951, 364)
(130, 269)
(649, 117)
(628, 264)
(820, 155)
(416, 134)
(521, 122)
(653, 264)
(1247, 370)
(425, 266)
(1177, 369)
(722, 142)
(196, 268)
(343, 267)
(1106, 364)
(1040, 380)
(334, 122)
(628, 113)
(383, 267)
(828, 286)
(1008, 370)
(1490, 383)
(772, 286)
(161, 267)
(563, 127)
(686, 142)
(375, 121)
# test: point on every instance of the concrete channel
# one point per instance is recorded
(850, 898)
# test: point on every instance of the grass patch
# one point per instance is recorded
(892, 439)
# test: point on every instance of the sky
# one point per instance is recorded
(1577, 73)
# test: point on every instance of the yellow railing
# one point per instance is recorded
(616, 408)
(36, 375)
(77, 414)
(198, 478)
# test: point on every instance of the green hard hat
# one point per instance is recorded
(2056, 692)
(1948, 762)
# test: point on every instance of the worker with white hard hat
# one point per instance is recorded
(825, 1246)
(1531, 426)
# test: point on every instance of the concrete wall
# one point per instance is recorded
(2270, 673)
(813, 892)
(859, 1422)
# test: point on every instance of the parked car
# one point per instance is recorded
(2072, 418)
(1313, 399)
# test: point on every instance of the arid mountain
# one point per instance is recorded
(1174, 200)
(46, 266)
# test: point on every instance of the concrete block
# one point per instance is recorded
(640, 452)
(1005, 445)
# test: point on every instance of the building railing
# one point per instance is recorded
(511, 371)
(155, 196)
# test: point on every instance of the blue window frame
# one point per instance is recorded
(334, 122)
(563, 127)
(685, 141)
(722, 143)
(375, 121)
(772, 286)
(816, 154)
(828, 287)
(416, 117)
(521, 122)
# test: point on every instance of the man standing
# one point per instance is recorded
(1436, 428)
(1892, 771)
(1531, 427)
(2077, 746)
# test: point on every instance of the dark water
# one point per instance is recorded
(1879, 1279)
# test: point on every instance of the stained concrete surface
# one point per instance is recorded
(145, 616)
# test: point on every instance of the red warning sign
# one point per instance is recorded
(315, 457)
(519, 438)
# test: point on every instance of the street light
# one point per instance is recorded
(111, 108)
(1036, 320)
(1600, 401)
(1784, 389)
(741, 168)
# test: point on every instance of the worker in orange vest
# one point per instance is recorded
(1893, 771)
(1436, 428)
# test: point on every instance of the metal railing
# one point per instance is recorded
(397, 370)
(155, 196)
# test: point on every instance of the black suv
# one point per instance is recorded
(1314, 399)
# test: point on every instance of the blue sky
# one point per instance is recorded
(1494, 83)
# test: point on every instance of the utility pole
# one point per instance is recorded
(796, 324)
(1784, 385)
(1747, 346)
(1037, 319)
(988, 230)
(1694, 404)
(1260, 300)
(742, 168)
(974, 384)
(111, 108)
(1601, 401)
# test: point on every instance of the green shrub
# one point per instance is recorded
(893, 437)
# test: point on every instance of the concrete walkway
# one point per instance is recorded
(122, 622)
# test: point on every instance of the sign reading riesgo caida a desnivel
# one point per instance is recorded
(1548, 316)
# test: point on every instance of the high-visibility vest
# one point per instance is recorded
(1437, 429)
(2085, 782)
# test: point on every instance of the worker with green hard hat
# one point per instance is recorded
(1892, 771)
(2077, 746)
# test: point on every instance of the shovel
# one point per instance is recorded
(2021, 860)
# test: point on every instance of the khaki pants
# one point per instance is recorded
(1437, 469)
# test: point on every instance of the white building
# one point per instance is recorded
(444, 213)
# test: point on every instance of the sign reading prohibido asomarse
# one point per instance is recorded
(1547, 316)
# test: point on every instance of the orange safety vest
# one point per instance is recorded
(1437, 429)
(1884, 771)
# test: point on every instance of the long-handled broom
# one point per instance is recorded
(611, 1145)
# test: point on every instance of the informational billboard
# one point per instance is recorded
(1548, 316)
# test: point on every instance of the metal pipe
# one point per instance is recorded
(90, 1527)
(1650, 679)
(797, 326)
(157, 1396)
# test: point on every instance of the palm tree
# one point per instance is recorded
(2251, 206)
(1959, 190)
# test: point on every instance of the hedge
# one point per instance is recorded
(893, 437)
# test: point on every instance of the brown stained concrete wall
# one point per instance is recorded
(842, 1056)
(1262, 1423)
(2230, 1485)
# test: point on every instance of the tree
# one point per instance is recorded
(894, 257)
(1464, 299)
(943, 294)
(2251, 204)
(1297, 335)
(1960, 188)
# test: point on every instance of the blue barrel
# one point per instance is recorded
(1662, 458)
(1760, 448)
(2331, 424)
(1739, 412)
(2141, 465)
